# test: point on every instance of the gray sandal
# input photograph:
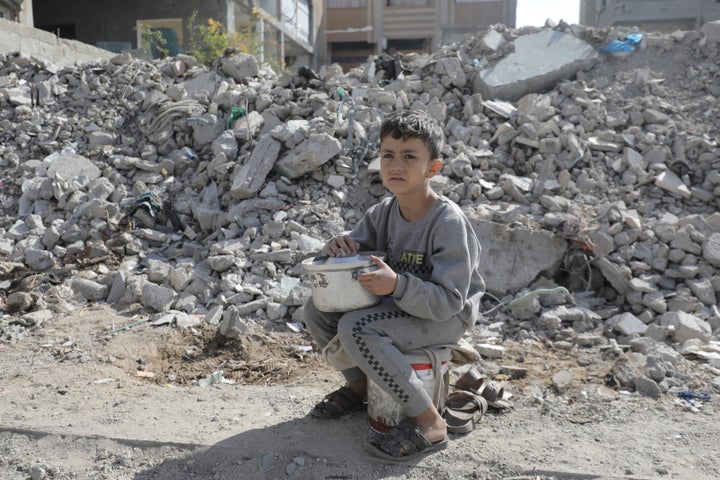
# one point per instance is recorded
(463, 409)
(403, 443)
(338, 403)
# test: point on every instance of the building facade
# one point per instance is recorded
(287, 29)
(355, 29)
(17, 11)
(650, 15)
(291, 33)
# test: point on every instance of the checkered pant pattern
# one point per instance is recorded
(370, 359)
(375, 339)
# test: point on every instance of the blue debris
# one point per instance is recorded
(626, 45)
(689, 396)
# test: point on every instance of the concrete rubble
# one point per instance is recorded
(128, 182)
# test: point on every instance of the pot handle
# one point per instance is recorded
(359, 271)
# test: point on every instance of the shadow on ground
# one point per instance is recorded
(303, 448)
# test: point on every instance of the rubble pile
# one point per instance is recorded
(196, 192)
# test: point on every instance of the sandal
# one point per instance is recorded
(473, 382)
(463, 409)
(403, 443)
(338, 403)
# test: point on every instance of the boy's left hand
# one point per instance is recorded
(381, 281)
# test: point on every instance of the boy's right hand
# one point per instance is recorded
(341, 245)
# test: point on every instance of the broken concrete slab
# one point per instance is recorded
(539, 62)
(251, 176)
(711, 31)
(513, 258)
(318, 149)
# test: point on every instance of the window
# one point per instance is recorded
(170, 28)
(408, 3)
(347, 3)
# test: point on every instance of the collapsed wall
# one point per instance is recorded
(56, 52)
(196, 192)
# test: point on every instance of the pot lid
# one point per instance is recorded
(327, 263)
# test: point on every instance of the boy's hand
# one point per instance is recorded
(381, 281)
(341, 245)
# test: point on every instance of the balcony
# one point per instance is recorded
(409, 22)
(655, 10)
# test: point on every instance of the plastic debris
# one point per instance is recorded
(150, 209)
(215, 378)
(626, 45)
(235, 113)
(689, 396)
(296, 327)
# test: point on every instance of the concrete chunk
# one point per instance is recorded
(309, 155)
(667, 180)
(540, 61)
(686, 326)
(711, 249)
(711, 30)
(627, 324)
(513, 258)
(250, 178)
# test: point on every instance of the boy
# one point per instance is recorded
(429, 280)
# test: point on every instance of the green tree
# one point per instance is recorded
(152, 41)
(208, 42)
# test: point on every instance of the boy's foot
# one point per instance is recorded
(403, 443)
(338, 403)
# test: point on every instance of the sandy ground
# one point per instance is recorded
(83, 398)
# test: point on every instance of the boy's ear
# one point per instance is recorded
(435, 166)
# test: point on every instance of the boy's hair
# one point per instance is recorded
(407, 124)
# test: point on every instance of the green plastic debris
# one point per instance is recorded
(235, 113)
(341, 93)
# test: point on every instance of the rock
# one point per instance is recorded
(562, 381)
(308, 155)
(523, 72)
(686, 326)
(627, 324)
(647, 387)
(513, 258)
(252, 175)
(157, 297)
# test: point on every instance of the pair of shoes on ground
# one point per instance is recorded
(472, 397)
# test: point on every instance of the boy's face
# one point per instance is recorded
(405, 165)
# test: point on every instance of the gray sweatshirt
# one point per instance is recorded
(437, 258)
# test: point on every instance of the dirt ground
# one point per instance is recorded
(85, 398)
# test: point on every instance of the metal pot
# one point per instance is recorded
(335, 285)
